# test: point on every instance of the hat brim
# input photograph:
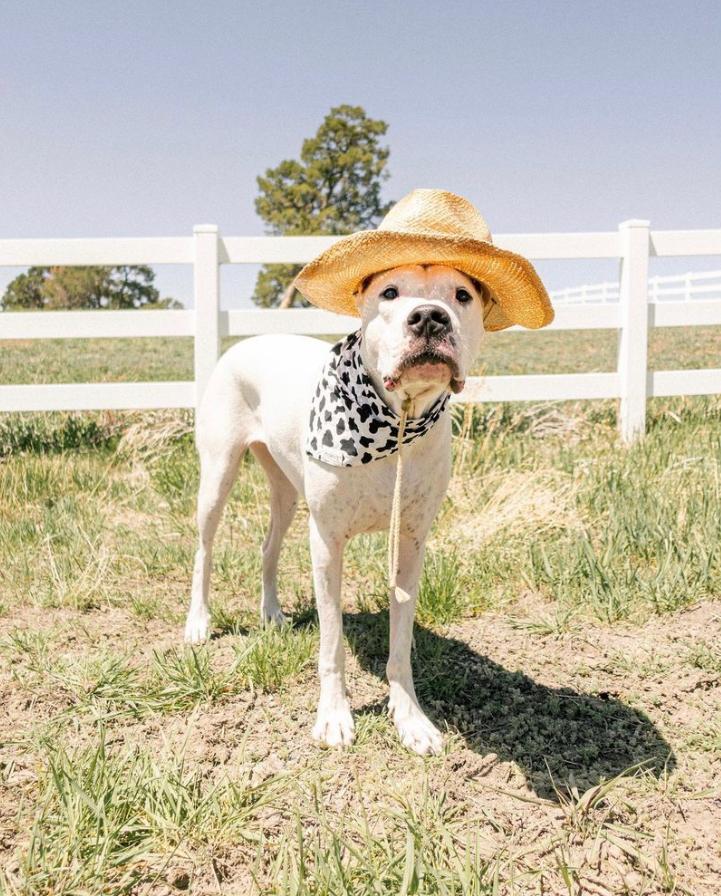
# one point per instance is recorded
(332, 280)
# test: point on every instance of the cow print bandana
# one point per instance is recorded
(349, 423)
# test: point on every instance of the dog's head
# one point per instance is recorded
(422, 328)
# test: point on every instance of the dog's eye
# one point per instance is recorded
(463, 296)
(389, 292)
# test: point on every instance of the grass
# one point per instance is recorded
(422, 846)
(109, 820)
(568, 624)
(706, 656)
(136, 360)
(275, 656)
(440, 596)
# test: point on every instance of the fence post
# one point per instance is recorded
(206, 287)
(633, 337)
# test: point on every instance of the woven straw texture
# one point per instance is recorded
(430, 227)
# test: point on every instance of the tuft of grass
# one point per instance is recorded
(275, 656)
(705, 656)
(183, 678)
(440, 593)
(149, 437)
(57, 433)
(28, 656)
(105, 686)
(108, 820)
(421, 846)
(519, 502)
(708, 737)
(366, 568)
(145, 606)
(176, 477)
(555, 624)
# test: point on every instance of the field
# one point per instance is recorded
(568, 640)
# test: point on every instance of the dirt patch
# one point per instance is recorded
(536, 725)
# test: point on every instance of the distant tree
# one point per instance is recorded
(26, 290)
(61, 287)
(334, 188)
(75, 288)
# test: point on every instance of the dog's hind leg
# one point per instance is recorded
(217, 475)
(283, 504)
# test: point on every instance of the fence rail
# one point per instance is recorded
(688, 287)
(632, 314)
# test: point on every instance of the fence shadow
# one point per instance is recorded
(552, 734)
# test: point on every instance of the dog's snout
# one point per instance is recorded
(429, 320)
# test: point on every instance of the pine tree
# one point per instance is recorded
(334, 188)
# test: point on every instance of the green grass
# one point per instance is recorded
(268, 660)
(422, 846)
(706, 657)
(135, 360)
(587, 523)
(109, 820)
(440, 595)
(558, 642)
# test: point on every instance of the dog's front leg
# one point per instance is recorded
(334, 723)
(416, 731)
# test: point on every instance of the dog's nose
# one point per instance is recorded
(429, 320)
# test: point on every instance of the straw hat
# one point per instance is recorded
(430, 227)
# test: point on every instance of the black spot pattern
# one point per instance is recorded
(349, 423)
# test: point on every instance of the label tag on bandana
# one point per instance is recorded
(349, 423)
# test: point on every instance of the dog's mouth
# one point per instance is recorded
(431, 364)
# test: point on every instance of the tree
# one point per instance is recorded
(335, 188)
(60, 287)
(25, 291)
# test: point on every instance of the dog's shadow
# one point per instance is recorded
(556, 736)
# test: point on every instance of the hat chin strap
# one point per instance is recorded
(394, 529)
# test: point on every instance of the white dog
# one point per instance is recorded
(326, 424)
(421, 330)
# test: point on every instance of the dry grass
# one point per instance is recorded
(147, 437)
(522, 502)
(567, 640)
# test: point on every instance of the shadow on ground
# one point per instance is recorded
(553, 734)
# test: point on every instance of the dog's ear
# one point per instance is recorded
(481, 289)
(360, 290)
(364, 284)
(485, 295)
(366, 281)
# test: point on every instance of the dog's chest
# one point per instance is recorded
(352, 500)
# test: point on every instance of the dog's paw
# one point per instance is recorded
(197, 628)
(272, 616)
(334, 727)
(418, 734)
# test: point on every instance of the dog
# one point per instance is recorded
(421, 329)
(334, 426)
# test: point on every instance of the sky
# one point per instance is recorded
(145, 118)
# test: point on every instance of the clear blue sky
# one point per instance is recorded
(132, 119)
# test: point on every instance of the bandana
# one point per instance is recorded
(349, 423)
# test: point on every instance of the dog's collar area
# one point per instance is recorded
(349, 422)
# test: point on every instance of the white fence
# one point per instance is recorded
(207, 250)
(689, 287)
